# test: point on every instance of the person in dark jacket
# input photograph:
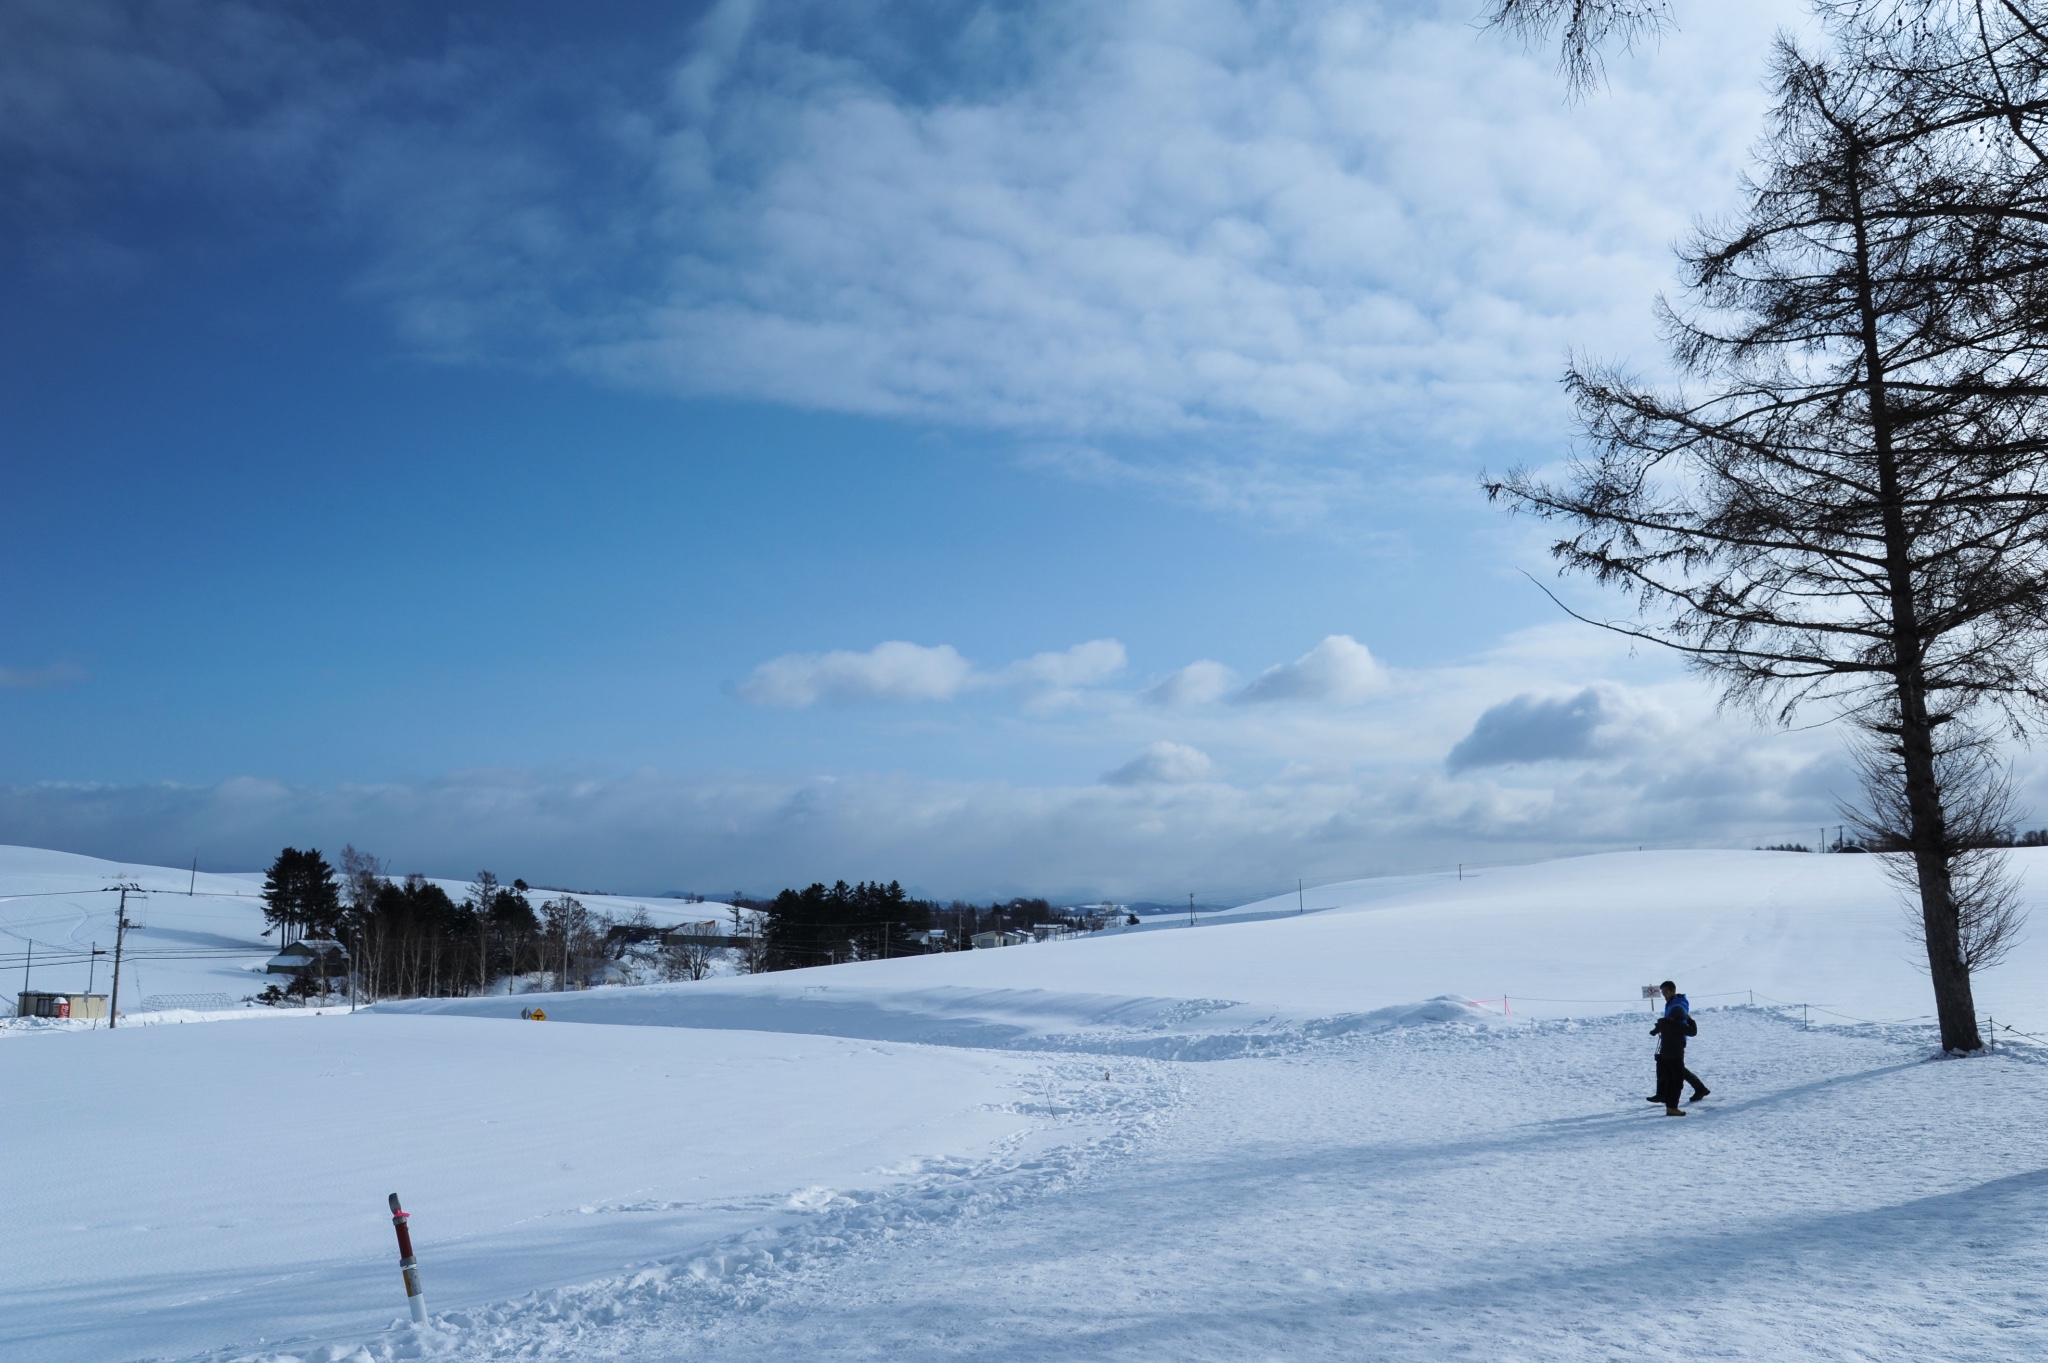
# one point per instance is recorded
(1671, 1031)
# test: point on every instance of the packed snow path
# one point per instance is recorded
(1428, 1193)
(1435, 1195)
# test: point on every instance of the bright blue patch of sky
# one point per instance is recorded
(402, 392)
(281, 545)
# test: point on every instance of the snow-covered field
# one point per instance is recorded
(1406, 1124)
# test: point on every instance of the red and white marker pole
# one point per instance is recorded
(408, 1265)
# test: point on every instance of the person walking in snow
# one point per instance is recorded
(1672, 1030)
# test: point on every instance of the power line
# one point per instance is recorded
(108, 889)
(78, 955)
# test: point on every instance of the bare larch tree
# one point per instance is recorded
(1584, 29)
(1853, 513)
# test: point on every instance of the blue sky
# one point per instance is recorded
(1008, 447)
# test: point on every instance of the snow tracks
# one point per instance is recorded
(1429, 1192)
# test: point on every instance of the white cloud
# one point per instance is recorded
(1199, 683)
(1532, 727)
(1281, 225)
(1082, 665)
(1164, 218)
(1163, 763)
(893, 671)
(1338, 671)
(1241, 798)
(899, 671)
(653, 831)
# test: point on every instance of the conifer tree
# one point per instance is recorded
(1853, 512)
(300, 892)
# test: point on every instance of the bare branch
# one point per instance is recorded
(1584, 30)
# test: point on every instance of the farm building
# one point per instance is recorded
(314, 956)
(38, 1004)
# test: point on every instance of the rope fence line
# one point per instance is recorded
(2008, 1027)
(1772, 1004)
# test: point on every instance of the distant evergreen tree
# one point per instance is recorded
(512, 913)
(821, 926)
(300, 895)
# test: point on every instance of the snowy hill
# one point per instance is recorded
(1571, 938)
(1407, 1123)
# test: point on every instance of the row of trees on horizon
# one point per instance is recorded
(409, 938)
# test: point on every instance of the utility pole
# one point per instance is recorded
(28, 961)
(120, 935)
(189, 885)
(1191, 908)
(1300, 898)
(91, 970)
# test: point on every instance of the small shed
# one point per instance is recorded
(984, 940)
(39, 1004)
(315, 956)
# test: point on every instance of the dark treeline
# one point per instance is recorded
(826, 925)
(2005, 837)
(1896, 842)
(409, 938)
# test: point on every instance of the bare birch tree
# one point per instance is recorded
(483, 894)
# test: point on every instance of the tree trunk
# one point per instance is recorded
(1955, 1007)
